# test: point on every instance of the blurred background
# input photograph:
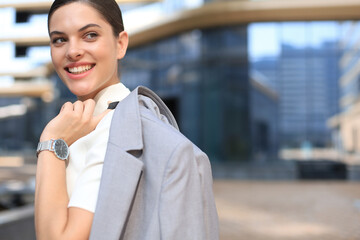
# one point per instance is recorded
(269, 89)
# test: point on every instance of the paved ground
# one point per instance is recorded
(268, 210)
(288, 210)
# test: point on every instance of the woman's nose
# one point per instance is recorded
(74, 51)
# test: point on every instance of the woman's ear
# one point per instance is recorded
(122, 43)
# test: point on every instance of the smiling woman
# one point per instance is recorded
(84, 49)
(123, 174)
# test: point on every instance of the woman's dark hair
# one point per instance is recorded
(109, 9)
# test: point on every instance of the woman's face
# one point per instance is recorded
(84, 50)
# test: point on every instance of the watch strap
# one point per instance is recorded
(47, 145)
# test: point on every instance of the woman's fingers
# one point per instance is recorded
(89, 107)
(68, 106)
(78, 107)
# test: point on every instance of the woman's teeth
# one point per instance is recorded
(80, 69)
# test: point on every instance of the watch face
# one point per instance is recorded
(61, 149)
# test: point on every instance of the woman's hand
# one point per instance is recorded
(74, 121)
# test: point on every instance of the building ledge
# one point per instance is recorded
(28, 41)
(227, 13)
(43, 71)
(35, 6)
(29, 89)
(264, 89)
(339, 119)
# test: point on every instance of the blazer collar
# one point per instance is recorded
(126, 124)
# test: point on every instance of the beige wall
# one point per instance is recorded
(349, 124)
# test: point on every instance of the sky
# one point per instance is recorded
(265, 38)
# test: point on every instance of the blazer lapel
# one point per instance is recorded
(121, 171)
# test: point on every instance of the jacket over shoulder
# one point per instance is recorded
(156, 184)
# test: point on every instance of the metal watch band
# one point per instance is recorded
(47, 145)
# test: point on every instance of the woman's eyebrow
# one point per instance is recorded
(88, 26)
(56, 33)
(80, 30)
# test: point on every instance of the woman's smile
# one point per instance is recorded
(78, 71)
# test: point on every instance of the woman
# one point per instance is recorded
(130, 173)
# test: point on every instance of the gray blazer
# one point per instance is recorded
(155, 183)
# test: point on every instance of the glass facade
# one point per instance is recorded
(21, 122)
(264, 104)
(202, 76)
(350, 66)
(304, 71)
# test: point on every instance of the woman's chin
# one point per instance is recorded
(84, 93)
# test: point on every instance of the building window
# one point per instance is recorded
(20, 51)
(22, 17)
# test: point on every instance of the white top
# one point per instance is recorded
(87, 154)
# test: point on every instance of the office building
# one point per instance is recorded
(306, 81)
(345, 125)
(203, 77)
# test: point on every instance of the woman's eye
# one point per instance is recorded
(58, 40)
(91, 36)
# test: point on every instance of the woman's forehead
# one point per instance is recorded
(75, 15)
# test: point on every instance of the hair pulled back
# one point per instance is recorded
(108, 9)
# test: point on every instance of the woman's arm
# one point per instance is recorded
(53, 219)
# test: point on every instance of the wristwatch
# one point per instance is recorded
(58, 146)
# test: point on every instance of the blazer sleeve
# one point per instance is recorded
(187, 207)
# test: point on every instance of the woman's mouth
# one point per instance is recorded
(79, 69)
